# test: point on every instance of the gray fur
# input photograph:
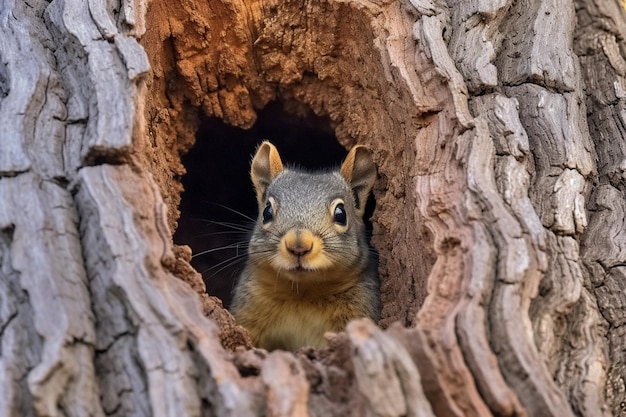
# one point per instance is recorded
(303, 200)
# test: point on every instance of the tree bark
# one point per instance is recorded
(498, 132)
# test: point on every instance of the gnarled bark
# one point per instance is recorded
(500, 220)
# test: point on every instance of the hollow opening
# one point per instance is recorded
(214, 66)
(218, 207)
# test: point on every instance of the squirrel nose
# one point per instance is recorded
(299, 249)
(298, 242)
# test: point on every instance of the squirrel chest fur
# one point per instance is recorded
(309, 268)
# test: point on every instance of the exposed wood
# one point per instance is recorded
(385, 373)
(151, 336)
(599, 41)
(47, 325)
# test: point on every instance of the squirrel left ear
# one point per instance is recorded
(266, 165)
(359, 171)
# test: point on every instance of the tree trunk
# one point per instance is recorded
(498, 132)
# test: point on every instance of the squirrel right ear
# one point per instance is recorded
(359, 171)
(266, 165)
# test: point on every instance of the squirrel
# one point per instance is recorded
(309, 268)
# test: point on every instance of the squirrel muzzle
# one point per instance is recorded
(302, 250)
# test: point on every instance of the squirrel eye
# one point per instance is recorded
(268, 213)
(339, 215)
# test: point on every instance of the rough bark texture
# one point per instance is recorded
(498, 131)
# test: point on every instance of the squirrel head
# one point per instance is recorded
(310, 223)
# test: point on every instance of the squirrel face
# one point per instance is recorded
(309, 269)
(310, 225)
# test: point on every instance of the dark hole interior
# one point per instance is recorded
(218, 206)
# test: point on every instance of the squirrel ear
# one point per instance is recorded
(359, 171)
(266, 165)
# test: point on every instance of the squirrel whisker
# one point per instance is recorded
(234, 260)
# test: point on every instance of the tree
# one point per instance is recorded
(498, 131)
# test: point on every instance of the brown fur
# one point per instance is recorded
(279, 316)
